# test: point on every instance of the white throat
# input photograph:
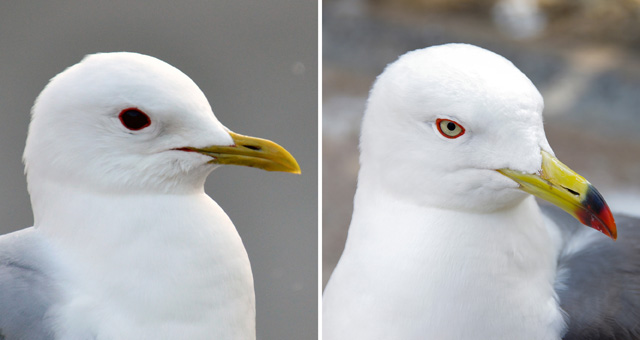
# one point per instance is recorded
(135, 260)
(411, 272)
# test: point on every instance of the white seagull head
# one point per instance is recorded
(459, 127)
(133, 123)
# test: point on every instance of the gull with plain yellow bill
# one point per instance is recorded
(250, 151)
(126, 244)
(447, 240)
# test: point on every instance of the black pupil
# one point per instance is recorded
(134, 119)
(451, 126)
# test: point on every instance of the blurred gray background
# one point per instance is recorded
(257, 63)
(583, 55)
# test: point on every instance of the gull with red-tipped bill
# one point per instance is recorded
(447, 240)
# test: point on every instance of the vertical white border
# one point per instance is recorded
(319, 169)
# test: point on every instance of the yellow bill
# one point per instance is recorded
(251, 151)
(560, 185)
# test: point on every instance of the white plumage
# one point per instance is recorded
(125, 243)
(441, 245)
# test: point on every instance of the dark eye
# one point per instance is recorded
(449, 128)
(134, 119)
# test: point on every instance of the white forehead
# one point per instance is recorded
(122, 79)
(458, 78)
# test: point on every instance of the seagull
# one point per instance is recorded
(125, 242)
(447, 240)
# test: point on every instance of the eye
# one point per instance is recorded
(449, 128)
(134, 119)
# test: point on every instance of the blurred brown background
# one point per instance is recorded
(583, 55)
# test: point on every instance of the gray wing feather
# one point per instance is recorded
(601, 288)
(26, 289)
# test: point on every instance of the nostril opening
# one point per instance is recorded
(572, 191)
(252, 147)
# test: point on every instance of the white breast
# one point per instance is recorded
(412, 273)
(176, 269)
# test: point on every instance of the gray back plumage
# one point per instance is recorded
(26, 290)
(599, 284)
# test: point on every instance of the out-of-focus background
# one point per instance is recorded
(583, 55)
(256, 61)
